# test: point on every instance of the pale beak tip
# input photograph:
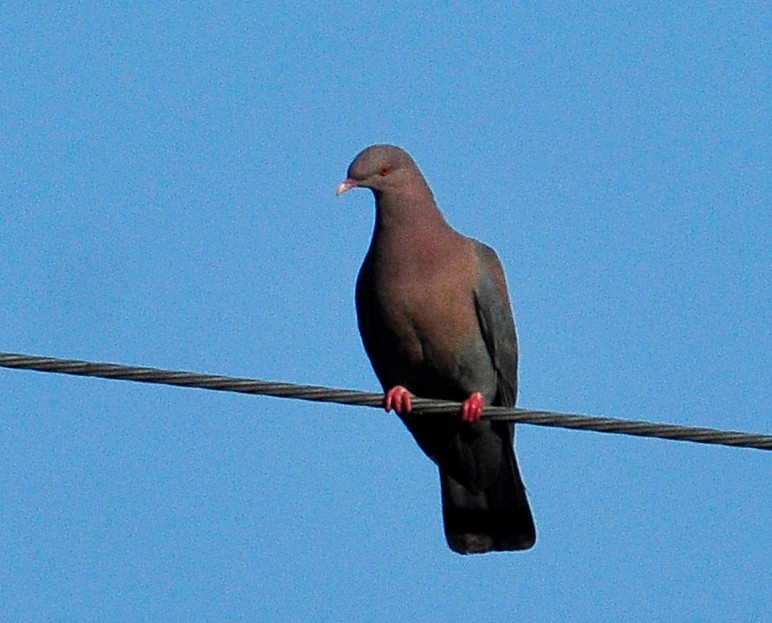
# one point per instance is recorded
(345, 186)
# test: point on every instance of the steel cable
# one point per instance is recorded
(369, 399)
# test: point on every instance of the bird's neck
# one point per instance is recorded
(413, 225)
(409, 214)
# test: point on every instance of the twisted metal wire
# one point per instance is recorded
(369, 399)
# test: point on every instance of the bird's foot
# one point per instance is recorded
(398, 398)
(472, 408)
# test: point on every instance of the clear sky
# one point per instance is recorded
(167, 177)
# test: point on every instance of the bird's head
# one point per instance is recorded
(379, 168)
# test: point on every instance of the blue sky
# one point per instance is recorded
(167, 185)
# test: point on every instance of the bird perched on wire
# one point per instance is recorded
(436, 322)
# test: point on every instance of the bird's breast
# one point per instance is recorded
(422, 323)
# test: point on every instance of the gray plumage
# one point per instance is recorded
(435, 319)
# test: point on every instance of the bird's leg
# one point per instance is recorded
(398, 398)
(472, 408)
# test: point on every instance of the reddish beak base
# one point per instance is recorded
(345, 186)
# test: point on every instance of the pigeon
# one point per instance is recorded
(436, 322)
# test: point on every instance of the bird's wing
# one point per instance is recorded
(497, 323)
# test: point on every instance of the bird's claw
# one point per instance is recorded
(472, 408)
(398, 398)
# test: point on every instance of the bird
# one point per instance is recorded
(435, 319)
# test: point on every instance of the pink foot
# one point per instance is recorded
(472, 408)
(398, 398)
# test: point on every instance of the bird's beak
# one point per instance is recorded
(344, 186)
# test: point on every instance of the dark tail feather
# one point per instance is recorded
(495, 519)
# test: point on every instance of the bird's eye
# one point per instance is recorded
(385, 170)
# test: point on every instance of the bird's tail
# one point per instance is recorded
(497, 518)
